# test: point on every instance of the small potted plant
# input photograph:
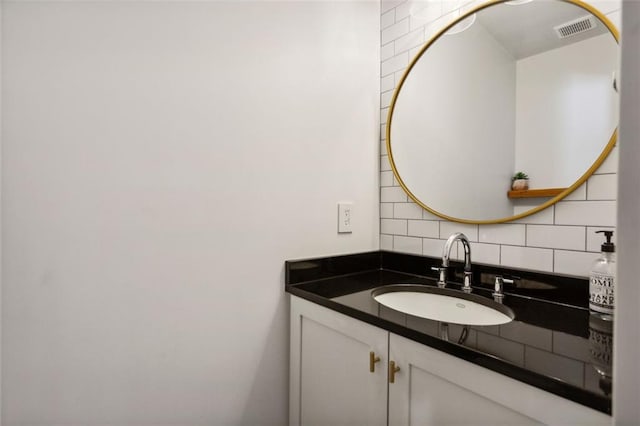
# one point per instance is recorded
(520, 181)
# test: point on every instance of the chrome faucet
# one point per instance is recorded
(442, 281)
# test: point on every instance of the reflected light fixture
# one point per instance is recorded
(431, 10)
(465, 24)
(517, 2)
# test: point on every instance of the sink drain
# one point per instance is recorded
(460, 305)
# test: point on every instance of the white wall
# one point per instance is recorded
(559, 239)
(1, 32)
(160, 162)
(626, 352)
(474, 62)
(558, 92)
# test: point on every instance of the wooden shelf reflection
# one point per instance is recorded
(535, 193)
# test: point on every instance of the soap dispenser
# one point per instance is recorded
(602, 279)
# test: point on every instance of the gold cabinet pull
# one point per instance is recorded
(372, 361)
(392, 371)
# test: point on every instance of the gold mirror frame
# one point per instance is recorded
(605, 152)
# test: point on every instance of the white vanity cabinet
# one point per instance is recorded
(435, 388)
(331, 382)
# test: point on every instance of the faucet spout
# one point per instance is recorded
(446, 253)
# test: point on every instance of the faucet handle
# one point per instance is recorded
(466, 286)
(442, 275)
(498, 288)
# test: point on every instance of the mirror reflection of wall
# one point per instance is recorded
(507, 94)
(558, 91)
(464, 90)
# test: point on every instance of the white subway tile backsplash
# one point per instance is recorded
(594, 241)
(386, 178)
(423, 228)
(523, 205)
(428, 12)
(457, 252)
(602, 187)
(414, 52)
(560, 237)
(413, 39)
(383, 148)
(485, 253)
(610, 165)
(427, 215)
(387, 83)
(386, 210)
(398, 74)
(416, 22)
(447, 18)
(393, 226)
(407, 244)
(385, 99)
(450, 6)
(580, 194)
(387, 51)
(386, 242)
(384, 112)
(433, 28)
(403, 10)
(573, 262)
(473, 3)
(448, 228)
(395, 31)
(387, 19)
(395, 64)
(502, 234)
(384, 163)
(527, 258)
(392, 194)
(595, 213)
(432, 247)
(407, 211)
(544, 217)
(387, 5)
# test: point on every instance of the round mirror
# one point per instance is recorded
(511, 86)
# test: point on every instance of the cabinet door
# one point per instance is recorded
(330, 378)
(434, 388)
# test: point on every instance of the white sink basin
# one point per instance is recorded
(442, 304)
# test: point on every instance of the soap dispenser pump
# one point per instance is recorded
(602, 279)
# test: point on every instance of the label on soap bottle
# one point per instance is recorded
(601, 293)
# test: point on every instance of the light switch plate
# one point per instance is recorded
(345, 218)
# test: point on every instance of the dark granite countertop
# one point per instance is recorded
(553, 343)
